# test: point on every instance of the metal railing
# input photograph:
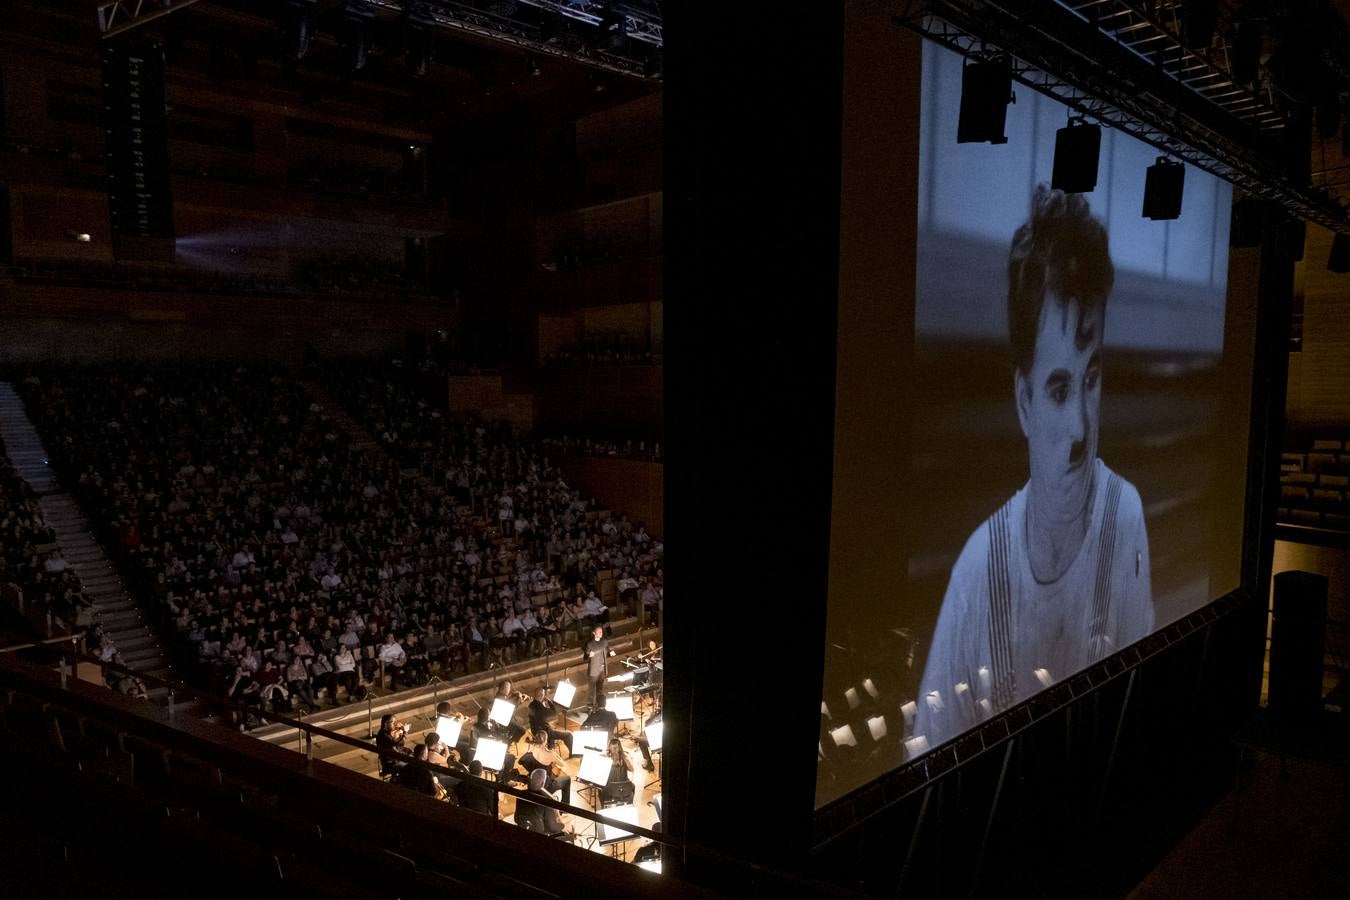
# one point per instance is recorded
(307, 733)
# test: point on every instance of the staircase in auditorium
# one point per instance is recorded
(118, 613)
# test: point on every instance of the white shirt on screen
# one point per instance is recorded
(1003, 636)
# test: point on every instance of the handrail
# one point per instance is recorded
(313, 730)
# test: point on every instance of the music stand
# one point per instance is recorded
(563, 694)
(595, 739)
(502, 711)
(448, 728)
(612, 834)
(491, 753)
(594, 769)
(621, 705)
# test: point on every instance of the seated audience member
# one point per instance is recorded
(297, 678)
(273, 692)
(392, 656)
(476, 793)
(321, 675)
(344, 670)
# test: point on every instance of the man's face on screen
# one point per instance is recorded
(1058, 405)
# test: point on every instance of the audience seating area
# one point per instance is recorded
(1315, 481)
(648, 451)
(34, 579)
(346, 278)
(296, 568)
(604, 351)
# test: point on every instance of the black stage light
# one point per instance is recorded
(297, 27)
(1245, 223)
(1077, 147)
(1292, 236)
(355, 37)
(1198, 18)
(417, 50)
(1339, 260)
(1246, 51)
(1163, 188)
(986, 91)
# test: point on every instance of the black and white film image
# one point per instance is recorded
(1064, 434)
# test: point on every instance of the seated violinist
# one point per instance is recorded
(541, 759)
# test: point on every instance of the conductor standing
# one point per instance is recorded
(597, 660)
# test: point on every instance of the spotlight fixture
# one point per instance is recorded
(1077, 147)
(1163, 188)
(986, 91)
(1244, 228)
(1339, 260)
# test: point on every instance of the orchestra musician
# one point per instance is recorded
(597, 665)
(641, 740)
(619, 786)
(543, 713)
(539, 756)
(391, 742)
(507, 693)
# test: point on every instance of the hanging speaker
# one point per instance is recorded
(986, 90)
(1077, 148)
(1163, 186)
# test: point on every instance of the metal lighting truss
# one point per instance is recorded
(495, 21)
(1128, 70)
(122, 15)
(643, 21)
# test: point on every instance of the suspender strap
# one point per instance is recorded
(1004, 683)
(1106, 552)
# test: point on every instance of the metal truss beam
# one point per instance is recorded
(119, 16)
(528, 36)
(643, 20)
(1086, 67)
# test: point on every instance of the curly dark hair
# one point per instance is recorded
(1061, 249)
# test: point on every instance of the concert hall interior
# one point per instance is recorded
(986, 364)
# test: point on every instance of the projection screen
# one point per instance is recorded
(1057, 430)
